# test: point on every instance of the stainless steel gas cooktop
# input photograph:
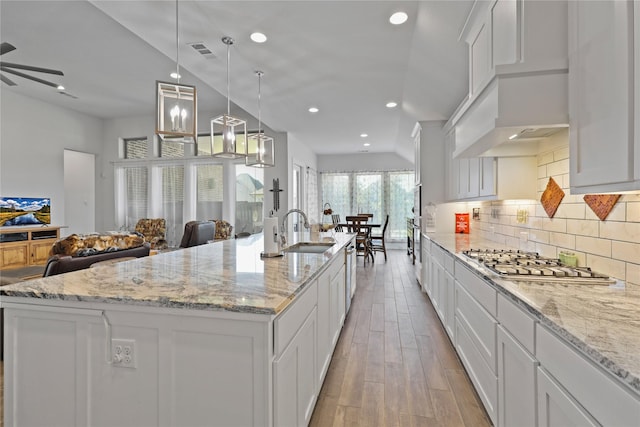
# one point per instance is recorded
(520, 265)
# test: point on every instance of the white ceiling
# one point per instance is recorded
(342, 56)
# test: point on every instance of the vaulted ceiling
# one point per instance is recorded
(343, 57)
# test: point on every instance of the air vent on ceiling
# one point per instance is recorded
(202, 50)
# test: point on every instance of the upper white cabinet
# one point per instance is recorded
(603, 91)
(416, 153)
(518, 67)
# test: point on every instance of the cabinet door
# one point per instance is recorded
(427, 280)
(449, 304)
(294, 378)
(473, 181)
(451, 167)
(14, 256)
(438, 286)
(601, 93)
(487, 184)
(516, 383)
(336, 307)
(556, 407)
(40, 252)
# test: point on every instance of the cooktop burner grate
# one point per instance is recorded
(522, 265)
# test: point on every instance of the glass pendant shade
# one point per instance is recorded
(260, 151)
(177, 112)
(228, 137)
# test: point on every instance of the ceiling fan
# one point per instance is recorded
(8, 67)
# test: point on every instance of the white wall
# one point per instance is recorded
(33, 136)
(363, 162)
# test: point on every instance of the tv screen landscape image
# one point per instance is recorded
(24, 211)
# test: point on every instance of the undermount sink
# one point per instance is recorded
(309, 247)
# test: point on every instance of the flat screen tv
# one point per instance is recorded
(24, 211)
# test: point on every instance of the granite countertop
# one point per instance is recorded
(227, 275)
(602, 322)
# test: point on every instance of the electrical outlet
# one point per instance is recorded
(123, 353)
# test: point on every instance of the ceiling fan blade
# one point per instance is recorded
(6, 48)
(31, 68)
(26, 76)
(7, 80)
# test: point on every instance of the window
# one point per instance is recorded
(135, 148)
(401, 198)
(171, 149)
(209, 188)
(379, 193)
(368, 194)
(336, 191)
(203, 145)
(173, 202)
(133, 203)
(249, 199)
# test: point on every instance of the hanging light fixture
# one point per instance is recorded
(260, 146)
(228, 133)
(176, 105)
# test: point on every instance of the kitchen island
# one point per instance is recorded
(538, 352)
(209, 335)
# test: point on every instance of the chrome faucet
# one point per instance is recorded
(283, 228)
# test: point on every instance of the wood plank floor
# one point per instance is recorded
(394, 364)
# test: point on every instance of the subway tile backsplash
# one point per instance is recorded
(609, 246)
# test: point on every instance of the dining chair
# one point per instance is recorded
(355, 225)
(335, 218)
(376, 241)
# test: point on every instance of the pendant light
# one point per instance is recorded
(228, 133)
(176, 105)
(260, 146)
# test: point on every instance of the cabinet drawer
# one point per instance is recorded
(485, 381)
(606, 400)
(483, 292)
(288, 322)
(482, 328)
(517, 322)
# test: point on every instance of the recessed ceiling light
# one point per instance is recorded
(313, 110)
(175, 75)
(258, 37)
(398, 18)
(392, 104)
(363, 135)
(366, 144)
(60, 87)
(515, 135)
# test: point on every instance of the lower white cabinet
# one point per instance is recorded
(556, 407)
(481, 375)
(294, 380)
(516, 383)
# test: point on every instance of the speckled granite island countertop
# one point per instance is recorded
(227, 275)
(602, 322)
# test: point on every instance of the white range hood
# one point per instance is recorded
(531, 106)
(518, 78)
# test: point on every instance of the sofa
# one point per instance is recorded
(77, 251)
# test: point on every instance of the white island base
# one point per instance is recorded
(76, 363)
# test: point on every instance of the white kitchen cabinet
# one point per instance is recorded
(587, 384)
(416, 153)
(294, 379)
(556, 407)
(442, 296)
(603, 137)
(487, 177)
(516, 383)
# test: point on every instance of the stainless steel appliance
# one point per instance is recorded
(530, 266)
(350, 275)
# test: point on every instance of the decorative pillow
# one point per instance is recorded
(223, 229)
(90, 244)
